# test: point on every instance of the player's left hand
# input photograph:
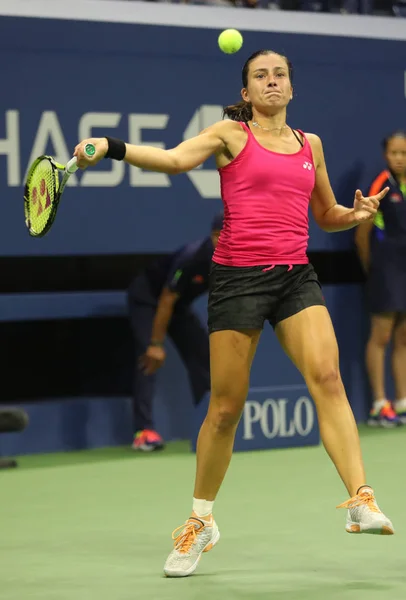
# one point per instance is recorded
(365, 209)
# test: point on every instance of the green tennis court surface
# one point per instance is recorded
(97, 525)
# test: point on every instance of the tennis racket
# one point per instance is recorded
(43, 191)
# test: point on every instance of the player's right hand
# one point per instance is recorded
(152, 360)
(84, 161)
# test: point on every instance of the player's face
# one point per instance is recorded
(269, 86)
(396, 155)
(215, 237)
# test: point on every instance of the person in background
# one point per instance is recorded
(381, 246)
(159, 303)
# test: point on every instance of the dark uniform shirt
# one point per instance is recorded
(185, 271)
(390, 221)
(386, 284)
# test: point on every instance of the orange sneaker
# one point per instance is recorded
(190, 541)
(147, 440)
(365, 516)
(385, 417)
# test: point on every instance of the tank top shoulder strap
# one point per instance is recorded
(245, 126)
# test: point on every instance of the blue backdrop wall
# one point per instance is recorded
(159, 85)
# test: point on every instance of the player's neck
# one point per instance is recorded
(272, 123)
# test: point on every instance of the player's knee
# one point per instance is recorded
(224, 416)
(381, 334)
(327, 376)
(381, 338)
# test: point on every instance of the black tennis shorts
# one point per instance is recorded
(245, 297)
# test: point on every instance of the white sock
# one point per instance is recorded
(378, 404)
(363, 487)
(400, 404)
(202, 508)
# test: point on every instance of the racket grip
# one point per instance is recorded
(71, 167)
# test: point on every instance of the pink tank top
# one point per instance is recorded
(266, 204)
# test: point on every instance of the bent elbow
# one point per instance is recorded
(182, 162)
(327, 227)
(321, 222)
(176, 170)
(175, 166)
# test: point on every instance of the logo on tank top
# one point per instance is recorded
(308, 166)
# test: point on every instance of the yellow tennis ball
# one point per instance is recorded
(230, 41)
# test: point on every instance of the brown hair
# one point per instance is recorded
(242, 111)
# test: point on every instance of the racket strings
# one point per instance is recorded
(41, 191)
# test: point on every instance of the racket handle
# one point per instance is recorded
(71, 167)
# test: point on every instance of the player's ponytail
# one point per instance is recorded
(239, 112)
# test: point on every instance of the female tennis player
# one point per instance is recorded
(269, 173)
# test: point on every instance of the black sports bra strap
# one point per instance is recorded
(297, 137)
